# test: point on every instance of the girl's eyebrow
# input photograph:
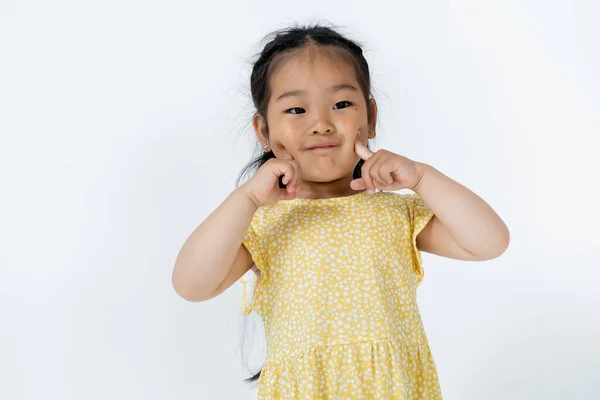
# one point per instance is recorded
(332, 89)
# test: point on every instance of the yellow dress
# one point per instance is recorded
(336, 291)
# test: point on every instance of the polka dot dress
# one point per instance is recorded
(335, 285)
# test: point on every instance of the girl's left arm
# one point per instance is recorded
(464, 226)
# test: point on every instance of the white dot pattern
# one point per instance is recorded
(335, 285)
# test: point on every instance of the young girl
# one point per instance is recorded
(339, 262)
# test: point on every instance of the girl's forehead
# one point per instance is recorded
(302, 71)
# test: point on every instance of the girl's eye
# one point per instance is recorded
(347, 102)
(295, 108)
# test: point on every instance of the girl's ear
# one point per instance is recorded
(260, 129)
(373, 117)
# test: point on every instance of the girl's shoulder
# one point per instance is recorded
(266, 215)
(402, 202)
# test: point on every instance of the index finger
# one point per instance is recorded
(362, 150)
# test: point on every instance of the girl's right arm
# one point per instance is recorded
(213, 252)
(213, 257)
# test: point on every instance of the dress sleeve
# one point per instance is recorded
(253, 277)
(419, 214)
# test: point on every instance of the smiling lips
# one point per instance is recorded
(322, 146)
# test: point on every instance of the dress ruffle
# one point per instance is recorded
(387, 368)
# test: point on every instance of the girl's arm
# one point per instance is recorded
(464, 227)
(213, 257)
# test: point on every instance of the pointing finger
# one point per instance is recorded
(362, 150)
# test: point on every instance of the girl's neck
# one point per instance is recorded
(325, 190)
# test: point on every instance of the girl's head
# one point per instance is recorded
(312, 85)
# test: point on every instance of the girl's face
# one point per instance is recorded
(317, 102)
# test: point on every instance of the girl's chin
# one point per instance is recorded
(324, 176)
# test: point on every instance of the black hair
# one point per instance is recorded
(284, 43)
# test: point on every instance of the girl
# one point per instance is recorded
(339, 262)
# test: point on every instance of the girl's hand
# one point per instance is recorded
(263, 188)
(385, 170)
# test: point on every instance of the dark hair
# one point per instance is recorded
(284, 43)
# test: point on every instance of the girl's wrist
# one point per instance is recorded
(423, 169)
(247, 198)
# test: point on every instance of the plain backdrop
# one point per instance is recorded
(125, 123)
